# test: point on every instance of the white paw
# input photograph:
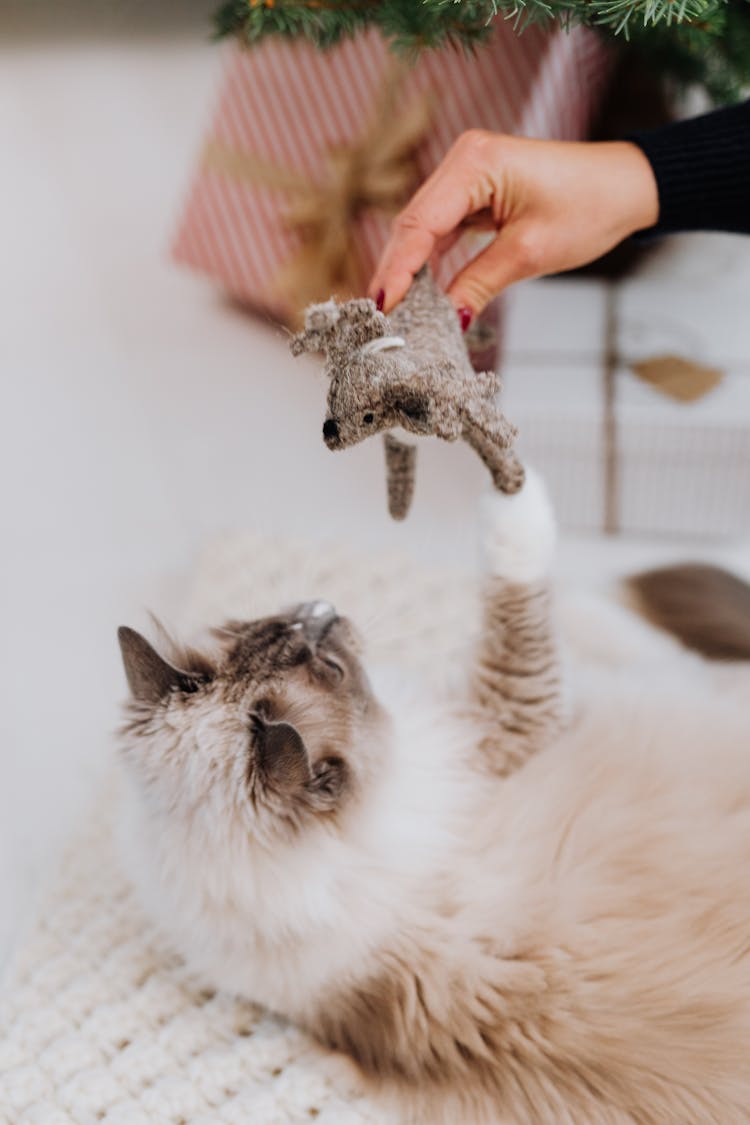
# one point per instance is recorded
(518, 533)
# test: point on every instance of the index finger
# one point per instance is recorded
(439, 206)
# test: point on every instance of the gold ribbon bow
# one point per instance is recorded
(376, 170)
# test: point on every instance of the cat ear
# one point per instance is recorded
(283, 757)
(149, 676)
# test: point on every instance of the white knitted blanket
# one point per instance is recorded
(98, 1022)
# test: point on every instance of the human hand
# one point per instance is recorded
(555, 205)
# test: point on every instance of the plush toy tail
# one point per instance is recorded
(400, 462)
(705, 607)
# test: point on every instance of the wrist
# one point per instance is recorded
(636, 185)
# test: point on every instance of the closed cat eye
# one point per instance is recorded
(337, 670)
(329, 776)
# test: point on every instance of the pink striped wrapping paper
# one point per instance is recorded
(288, 103)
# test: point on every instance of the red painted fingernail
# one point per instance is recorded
(380, 299)
(465, 316)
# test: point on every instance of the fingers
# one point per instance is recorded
(515, 254)
(482, 220)
(411, 242)
(430, 220)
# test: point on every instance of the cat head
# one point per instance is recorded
(274, 732)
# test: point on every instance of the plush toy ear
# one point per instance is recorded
(321, 321)
(300, 343)
(322, 317)
(420, 410)
(150, 677)
(361, 321)
(409, 402)
(429, 402)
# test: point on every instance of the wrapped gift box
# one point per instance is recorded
(683, 467)
(310, 153)
(622, 456)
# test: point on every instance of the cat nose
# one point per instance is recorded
(330, 429)
(315, 618)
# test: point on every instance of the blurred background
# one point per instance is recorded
(145, 411)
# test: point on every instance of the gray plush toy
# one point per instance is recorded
(407, 374)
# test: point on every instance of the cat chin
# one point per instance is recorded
(394, 691)
(399, 692)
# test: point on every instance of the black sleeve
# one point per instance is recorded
(702, 169)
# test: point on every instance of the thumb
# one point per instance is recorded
(510, 257)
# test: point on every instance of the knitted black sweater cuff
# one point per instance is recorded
(702, 169)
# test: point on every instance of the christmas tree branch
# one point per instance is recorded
(693, 40)
(431, 20)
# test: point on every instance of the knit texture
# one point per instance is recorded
(98, 1020)
(702, 169)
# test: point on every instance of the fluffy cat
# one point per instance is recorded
(508, 903)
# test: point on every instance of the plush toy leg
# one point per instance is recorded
(400, 462)
(507, 471)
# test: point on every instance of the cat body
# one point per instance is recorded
(526, 901)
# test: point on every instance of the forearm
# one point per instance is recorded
(702, 170)
(517, 683)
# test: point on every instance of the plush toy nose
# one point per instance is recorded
(330, 429)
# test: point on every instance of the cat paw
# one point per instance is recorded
(518, 533)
